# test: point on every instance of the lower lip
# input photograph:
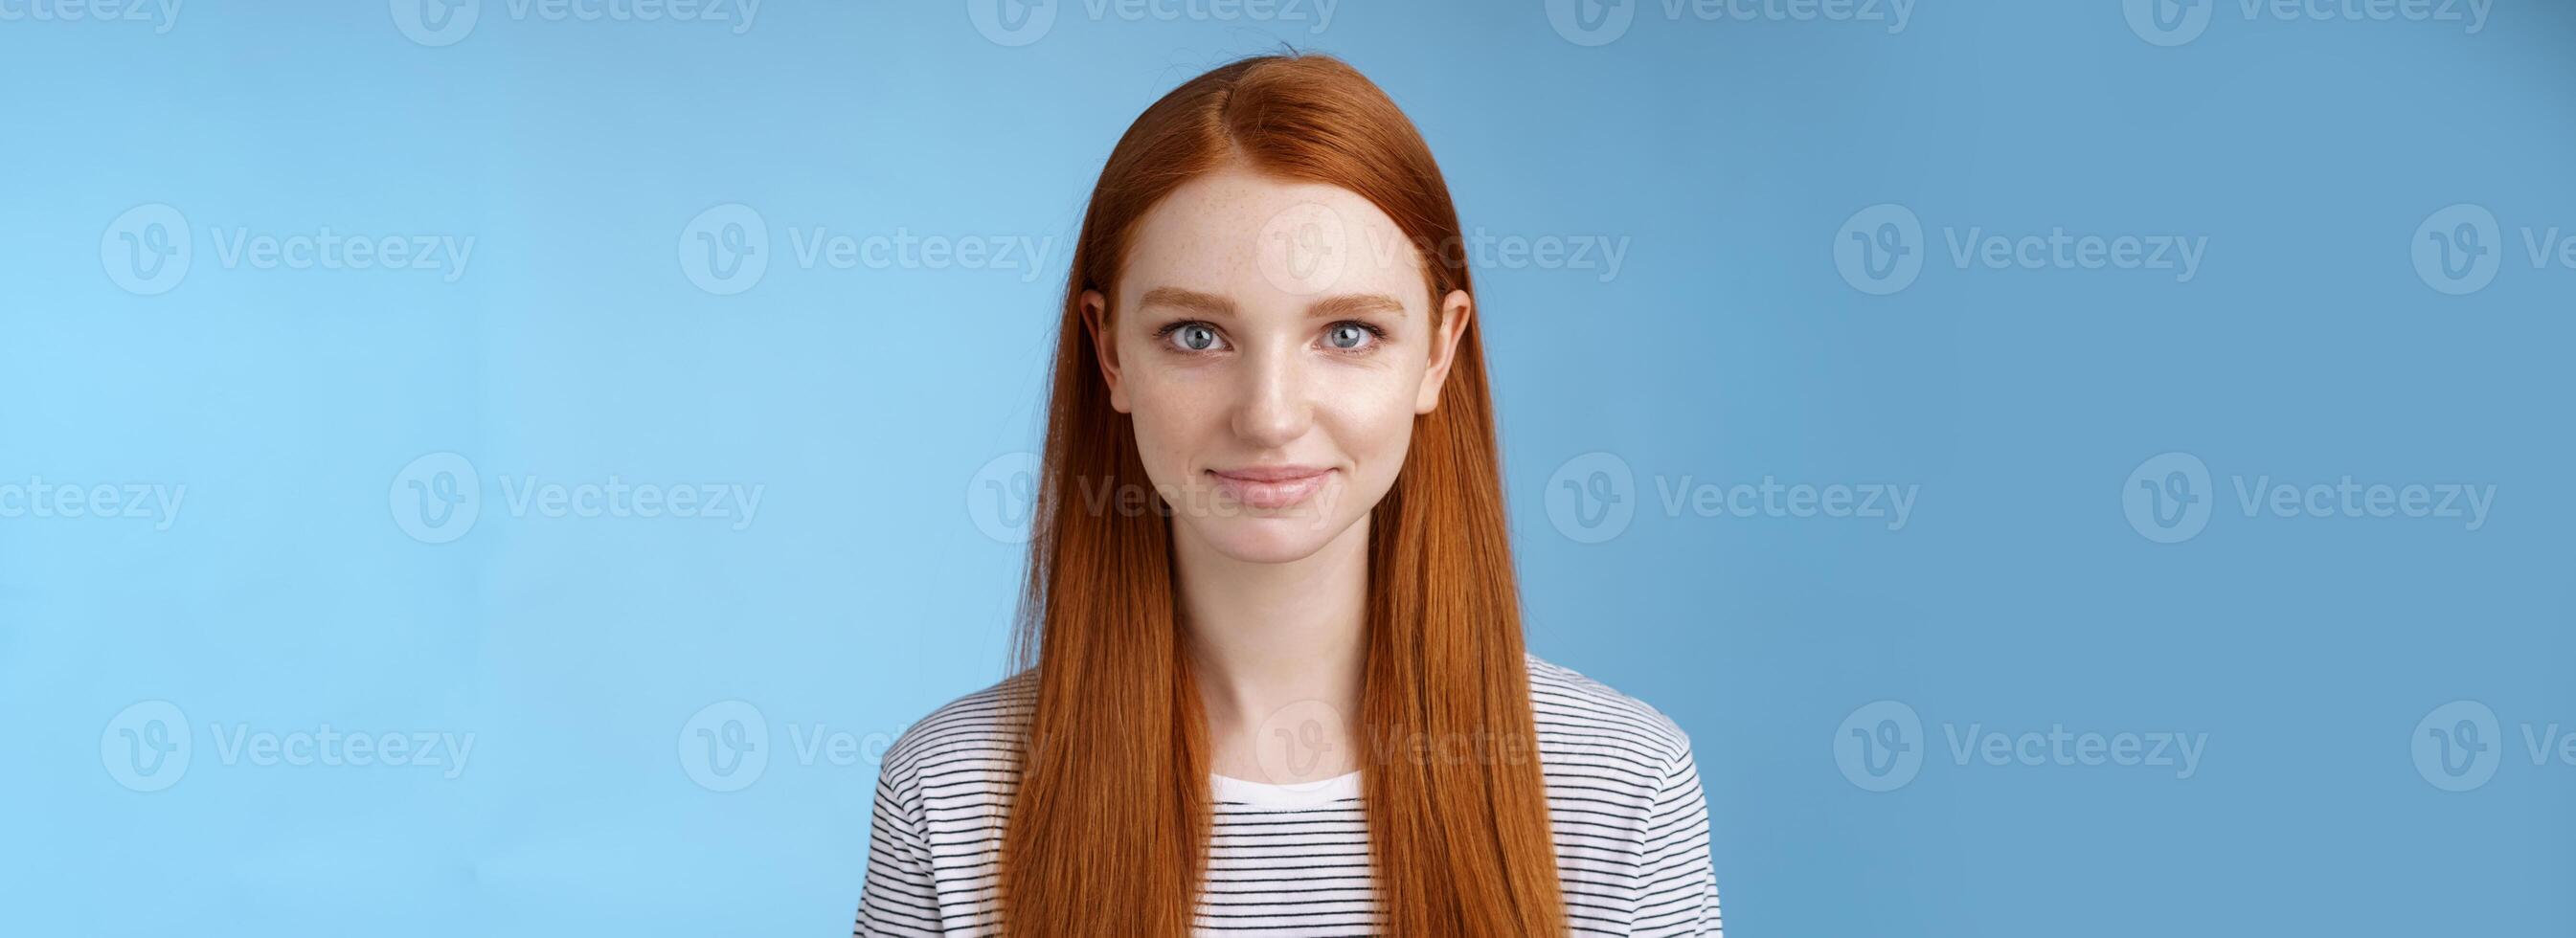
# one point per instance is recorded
(1281, 494)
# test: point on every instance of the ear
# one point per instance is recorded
(1095, 322)
(1455, 309)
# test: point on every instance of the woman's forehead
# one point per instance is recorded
(1269, 242)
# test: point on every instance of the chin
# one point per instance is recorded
(1273, 539)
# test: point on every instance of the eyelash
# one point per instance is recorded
(1164, 336)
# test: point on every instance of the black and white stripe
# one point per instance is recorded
(1623, 795)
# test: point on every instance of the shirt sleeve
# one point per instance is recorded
(901, 899)
(1677, 881)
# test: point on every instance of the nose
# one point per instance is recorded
(1272, 408)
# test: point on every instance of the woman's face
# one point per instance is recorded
(1272, 341)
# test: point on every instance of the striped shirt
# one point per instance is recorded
(1625, 805)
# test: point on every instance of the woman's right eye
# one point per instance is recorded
(1193, 337)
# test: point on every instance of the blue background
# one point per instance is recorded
(286, 592)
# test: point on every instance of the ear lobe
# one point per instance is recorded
(1455, 310)
(1104, 345)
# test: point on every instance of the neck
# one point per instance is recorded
(1266, 637)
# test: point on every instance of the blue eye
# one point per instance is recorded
(1192, 337)
(1351, 336)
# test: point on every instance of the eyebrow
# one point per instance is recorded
(1332, 307)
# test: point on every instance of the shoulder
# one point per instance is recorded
(1585, 722)
(975, 732)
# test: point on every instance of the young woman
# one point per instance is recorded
(1275, 682)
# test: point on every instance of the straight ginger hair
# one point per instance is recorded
(1108, 828)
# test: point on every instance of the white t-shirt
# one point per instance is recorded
(1624, 801)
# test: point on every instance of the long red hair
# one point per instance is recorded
(1108, 829)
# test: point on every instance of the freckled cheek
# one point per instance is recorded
(1174, 421)
(1371, 420)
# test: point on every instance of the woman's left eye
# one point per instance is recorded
(1350, 336)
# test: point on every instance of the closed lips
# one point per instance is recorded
(1270, 486)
